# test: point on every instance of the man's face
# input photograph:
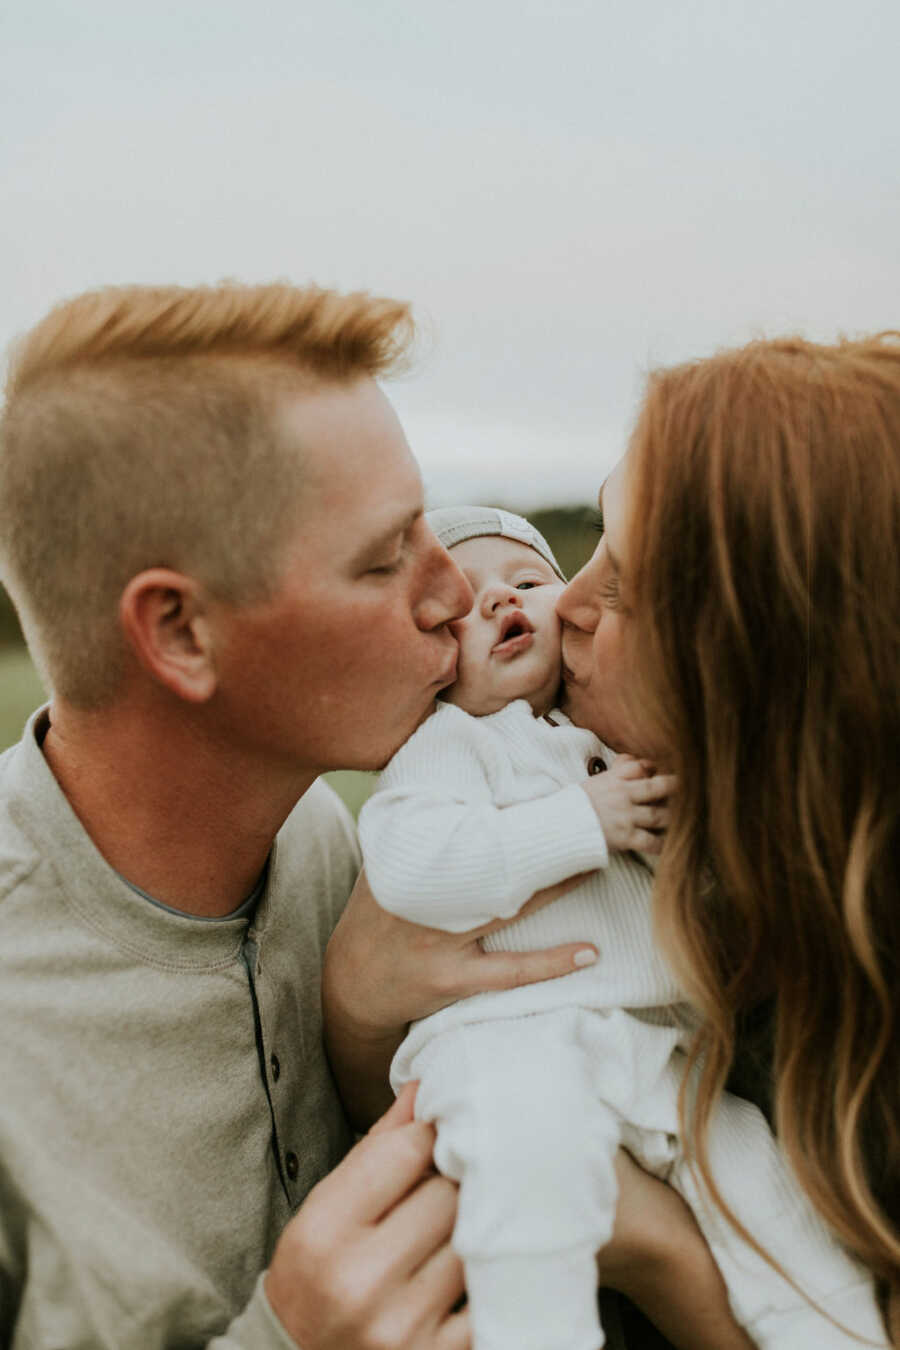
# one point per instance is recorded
(509, 640)
(341, 664)
(595, 667)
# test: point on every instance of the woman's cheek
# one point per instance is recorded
(605, 703)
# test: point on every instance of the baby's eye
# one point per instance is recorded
(526, 585)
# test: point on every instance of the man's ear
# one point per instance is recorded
(165, 618)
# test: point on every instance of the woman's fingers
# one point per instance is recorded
(508, 970)
(489, 971)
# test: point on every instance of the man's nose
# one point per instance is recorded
(447, 596)
(494, 597)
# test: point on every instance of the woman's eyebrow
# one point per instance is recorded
(613, 560)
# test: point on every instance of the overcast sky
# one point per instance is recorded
(569, 192)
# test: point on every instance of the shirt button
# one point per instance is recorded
(596, 765)
(275, 1064)
(291, 1165)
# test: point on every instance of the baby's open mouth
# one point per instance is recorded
(515, 634)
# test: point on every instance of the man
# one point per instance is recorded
(212, 529)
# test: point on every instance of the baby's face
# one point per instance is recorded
(509, 642)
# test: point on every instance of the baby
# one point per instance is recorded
(532, 1090)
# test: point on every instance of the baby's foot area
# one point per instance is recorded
(535, 1302)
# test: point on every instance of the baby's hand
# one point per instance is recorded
(631, 802)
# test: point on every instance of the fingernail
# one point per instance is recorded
(586, 957)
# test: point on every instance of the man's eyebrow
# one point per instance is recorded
(390, 532)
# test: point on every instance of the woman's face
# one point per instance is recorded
(596, 672)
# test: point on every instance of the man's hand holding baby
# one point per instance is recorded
(631, 802)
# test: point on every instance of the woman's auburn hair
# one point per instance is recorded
(763, 543)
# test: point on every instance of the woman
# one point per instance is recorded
(740, 621)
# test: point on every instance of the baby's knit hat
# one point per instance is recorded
(453, 524)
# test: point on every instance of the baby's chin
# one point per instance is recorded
(481, 706)
(541, 702)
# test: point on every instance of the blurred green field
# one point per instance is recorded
(568, 530)
(20, 692)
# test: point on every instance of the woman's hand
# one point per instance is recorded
(381, 973)
(658, 1258)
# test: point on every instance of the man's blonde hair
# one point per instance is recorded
(139, 431)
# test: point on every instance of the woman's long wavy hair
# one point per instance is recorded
(764, 568)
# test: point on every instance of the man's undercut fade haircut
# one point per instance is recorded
(141, 430)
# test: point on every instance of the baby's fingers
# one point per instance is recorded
(645, 842)
(626, 766)
(651, 817)
(653, 789)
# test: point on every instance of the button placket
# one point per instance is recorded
(269, 1064)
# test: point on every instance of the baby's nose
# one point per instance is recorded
(497, 596)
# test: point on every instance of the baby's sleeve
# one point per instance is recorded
(439, 852)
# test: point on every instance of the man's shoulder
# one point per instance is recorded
(19, 861)
(19, 858)
(320, 808)
(315, 862)
(8, 759)
(321, 830)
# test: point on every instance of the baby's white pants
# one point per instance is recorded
(529, 1114)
